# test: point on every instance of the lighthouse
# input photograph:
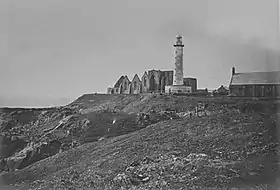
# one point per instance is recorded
(178, 78)
(178, 86)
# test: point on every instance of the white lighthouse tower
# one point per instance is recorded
(178, 74)
(179, 70)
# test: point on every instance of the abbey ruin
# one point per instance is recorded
(157, 81)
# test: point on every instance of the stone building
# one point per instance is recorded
(154, 81)
(255, 84)
(166, 79)
(157, 81)
(125, 85)
(222, 90)
(136, 85)
(145, 82)
(201, 92)
(117, 86)
(110, 90)
(192, 82)
(178, 89)
(121, 86)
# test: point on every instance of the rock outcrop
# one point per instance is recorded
(29, 155)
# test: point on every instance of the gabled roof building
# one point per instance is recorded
(121, 86)
(136, 85)
(255, 84)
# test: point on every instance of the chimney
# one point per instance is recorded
(233, 70)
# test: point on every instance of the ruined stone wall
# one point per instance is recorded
(136, 85)
(117, 90)
(151, 81)
(110, 90)
(166, 79)
(191, 82)
(145, 83)
(124, 87)
(178, 89)
(155, 81)
(127, 91)
(136, 89)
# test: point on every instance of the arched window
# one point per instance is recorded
(135, 84)
(145, 82)
(125, 85)
(153, 83)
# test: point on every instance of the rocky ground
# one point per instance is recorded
(141, 142)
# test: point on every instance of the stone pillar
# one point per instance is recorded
(178, 72)
(162, 86)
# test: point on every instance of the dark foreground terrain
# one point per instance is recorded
(141, 142)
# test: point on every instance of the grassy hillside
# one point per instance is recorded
(230, 147)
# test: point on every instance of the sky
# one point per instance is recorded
(53, 51)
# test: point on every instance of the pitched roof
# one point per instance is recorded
(222, 87)
(145, 75)
(136, 78)
(119, 82)
(271, 77)
(126, 77)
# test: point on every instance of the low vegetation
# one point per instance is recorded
(142, 142)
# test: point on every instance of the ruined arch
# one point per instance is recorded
(152, 83)
(145, 81)
(121, 89)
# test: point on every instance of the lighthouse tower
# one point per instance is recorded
(178, 78)
(178, 86)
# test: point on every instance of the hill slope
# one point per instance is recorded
(225, 148)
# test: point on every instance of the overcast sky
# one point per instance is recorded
(53, 51)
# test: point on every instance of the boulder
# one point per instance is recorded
(14, 162)
(10, 145)
(3, 165)
(40, 152)
(14, 138)
(30, 154)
